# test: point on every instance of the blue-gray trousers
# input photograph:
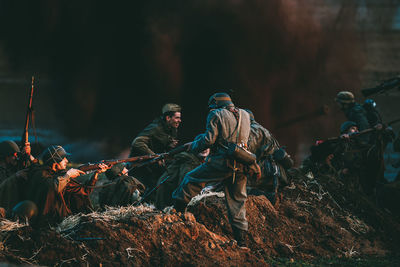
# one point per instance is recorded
(218, 170)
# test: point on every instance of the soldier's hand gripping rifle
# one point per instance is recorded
(383, 87)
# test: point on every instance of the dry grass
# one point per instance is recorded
(7, 225)
(111, 214)
(198, 198)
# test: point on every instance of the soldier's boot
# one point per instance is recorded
(239, 236)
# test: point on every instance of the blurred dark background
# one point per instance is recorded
(103, 70)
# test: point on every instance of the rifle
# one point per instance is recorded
(163, 156)
(29, 112)
(136, 162)
(95, 166)
(322, 150)
(24, 158)
(383, 87)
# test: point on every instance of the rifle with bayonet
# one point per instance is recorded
(324, 148)
(383, 87)
(24, 159)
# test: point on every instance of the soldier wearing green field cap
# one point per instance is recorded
(158, 137)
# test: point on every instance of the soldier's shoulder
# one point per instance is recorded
(214, 114)
(41, 171)
(217, 111)
(155, 126)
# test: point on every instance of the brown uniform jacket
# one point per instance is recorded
(46, 188)
(155, 138)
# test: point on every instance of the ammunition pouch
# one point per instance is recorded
(240, 154)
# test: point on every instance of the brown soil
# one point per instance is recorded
(314, 218)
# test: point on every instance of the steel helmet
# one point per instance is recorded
(219, 100)
(345, 97)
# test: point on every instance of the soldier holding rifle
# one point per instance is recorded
(49, 184)
(158, 137)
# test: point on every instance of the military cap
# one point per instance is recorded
(346, 126)
(115, 170)
(54, 154)
(219, 100)
(345, 97)
(8, 148)
(170, 107)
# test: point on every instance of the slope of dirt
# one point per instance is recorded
(314, 218)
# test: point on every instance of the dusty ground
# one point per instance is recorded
(319, 217)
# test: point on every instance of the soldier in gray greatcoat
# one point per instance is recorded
(222, 127)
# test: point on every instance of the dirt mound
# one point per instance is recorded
(139, 236)
(307, 223)
(314, 218)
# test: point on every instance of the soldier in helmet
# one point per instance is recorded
(48, 183)
(366, 117)
(353, 111)
(226, 124)
(121, 189)
(348, 128)
(9, 152)
(268, 152)
(13, 179)
(158, 137)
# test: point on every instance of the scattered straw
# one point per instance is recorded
(168, 210)
(357, 225)
(111, 214)
(7, 225)
(130, 250)
(350, 253)
(198, 198)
